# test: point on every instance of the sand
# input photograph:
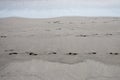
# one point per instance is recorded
(64, 48)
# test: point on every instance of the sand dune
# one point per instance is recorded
(65, 48)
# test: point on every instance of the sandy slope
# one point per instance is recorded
(80, 35)
(42, 70)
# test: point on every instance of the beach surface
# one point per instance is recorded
(64, 48)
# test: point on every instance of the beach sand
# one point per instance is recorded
(64, 48)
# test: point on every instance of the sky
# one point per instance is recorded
(57, 8)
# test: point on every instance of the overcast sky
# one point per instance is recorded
(56, 8)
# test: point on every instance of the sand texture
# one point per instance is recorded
(64, 48)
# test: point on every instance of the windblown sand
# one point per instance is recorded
(66, 48)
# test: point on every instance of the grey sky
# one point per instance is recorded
(55, 8)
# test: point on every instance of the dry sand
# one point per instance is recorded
(65, 48)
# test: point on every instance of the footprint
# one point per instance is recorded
(70, 53)
(114, 53)
(108, 34)
(52, 53)
(82, 23)
(95, 34)
(10, 50)
(59, 29)
(81, 35)
(105, 22)
(31, 53)
(56, 22)
(93, 22)
(3, 36)
(13, 53)
(92, 53)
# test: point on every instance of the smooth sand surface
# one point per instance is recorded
(42, 70)
(65, 48)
